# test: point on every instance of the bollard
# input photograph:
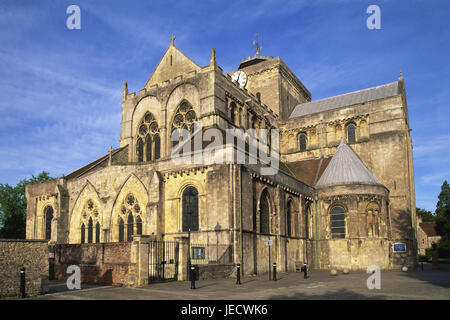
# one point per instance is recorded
(238, 274)
(22, 282)
(274, 271)
(192, 277)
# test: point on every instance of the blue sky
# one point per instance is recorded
(60, 89)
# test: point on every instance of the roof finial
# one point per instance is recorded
(401, 75)
(212, 60)
(172, 39)
(125, 91)
(257, 46)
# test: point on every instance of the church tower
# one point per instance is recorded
(272, 82)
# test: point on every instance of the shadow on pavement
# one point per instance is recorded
(440, 277)
(342, 294)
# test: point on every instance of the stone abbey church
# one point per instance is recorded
(342, 197)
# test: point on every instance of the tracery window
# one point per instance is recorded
(131, 212)
(264, 210)
(302, 140)
(190, 209)
(351, 133)
(89, 217)
(148, 142)
(184, 119)
(48, 214)
(338, 228)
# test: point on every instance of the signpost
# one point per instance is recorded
(269, 244)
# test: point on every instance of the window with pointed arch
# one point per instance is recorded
(373, 220)
(48, 215)
(337, 222)
(189, 212)
(351, 133)
(264, 212)
(184, 118)
(289, 212)
(302, 141)
(90, 217)
(129, 220)
(148, 139)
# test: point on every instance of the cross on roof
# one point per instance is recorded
(172, 39)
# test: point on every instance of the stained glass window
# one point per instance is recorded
(48, 222)
(351, 133)
(302, 141)
(190, 209)
(264, 212)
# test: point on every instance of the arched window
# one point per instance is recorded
(121, 230)
(232, 112)
(337, 218)
(90, 230)
(157, 146)
(83, 231)
(190, 209)
(264, 210)
(140, 150)
(351, 133)
(148, 147)
(184, 118)
(130, 225)
(90, 216)
(48, 222)
(97, 232)
(289, 218)
(138, 226)
(147, 131)
(302, 139)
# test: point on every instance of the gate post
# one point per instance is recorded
(142, 243)
(183, 252)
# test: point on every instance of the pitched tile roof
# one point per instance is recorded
(343, 100)
(308, 171)
(346, 168)
(429, 228)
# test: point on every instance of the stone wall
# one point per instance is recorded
(101, 263)
(31, 254)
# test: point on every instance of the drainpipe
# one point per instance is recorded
(316, 198)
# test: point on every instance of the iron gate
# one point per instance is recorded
(162, 260)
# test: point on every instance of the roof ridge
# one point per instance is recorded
(352, 92)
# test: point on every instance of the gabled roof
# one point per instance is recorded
(346, 168)
(348, 99)
(429, 228)
(309, 170)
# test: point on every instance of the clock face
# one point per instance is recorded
(239, 77)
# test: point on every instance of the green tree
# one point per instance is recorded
(13, 207)
(443, 215)
(425, 214)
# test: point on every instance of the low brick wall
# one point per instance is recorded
(100, 263)
(31, 254)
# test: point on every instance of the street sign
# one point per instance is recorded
(269, 242)
(399, 247)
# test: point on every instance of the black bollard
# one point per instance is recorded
(274, 271)
(192, 277)
(305, 270)
(22, 282)
(238, 274)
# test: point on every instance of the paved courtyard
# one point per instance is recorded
(416, 285)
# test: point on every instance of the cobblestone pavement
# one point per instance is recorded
(394, 285)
